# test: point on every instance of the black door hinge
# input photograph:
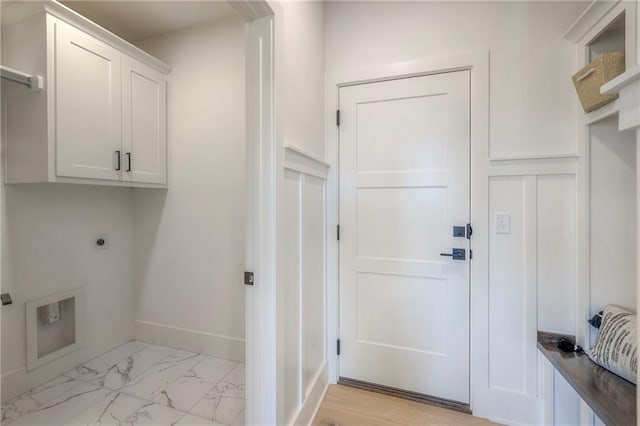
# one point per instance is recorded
(338, 347)
(470, 254)
(248, 278)
(337, 117)
(469, 231)
(338, 232)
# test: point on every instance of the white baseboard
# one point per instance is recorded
(226, 347)
(20, 380)
(317, 389)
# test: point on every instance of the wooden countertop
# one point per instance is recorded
(612, 398)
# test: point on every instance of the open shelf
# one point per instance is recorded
(611, 39)
(607, 111)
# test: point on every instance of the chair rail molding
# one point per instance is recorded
(298, 160)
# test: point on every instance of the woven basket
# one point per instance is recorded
(590, 78)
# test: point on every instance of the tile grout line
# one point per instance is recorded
(213, 387)
(92, 405)
(221, 396)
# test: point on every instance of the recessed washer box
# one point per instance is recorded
(53, 327)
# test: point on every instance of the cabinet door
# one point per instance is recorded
(144, 92)
(88, 106)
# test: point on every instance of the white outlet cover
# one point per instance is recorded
(503, 223)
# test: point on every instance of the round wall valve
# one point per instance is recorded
(100, 242)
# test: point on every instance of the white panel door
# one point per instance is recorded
(88, 106)
(404, 184)
(144, 91)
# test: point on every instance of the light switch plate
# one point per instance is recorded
(503, 223)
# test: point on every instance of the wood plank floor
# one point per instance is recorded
(343, 405)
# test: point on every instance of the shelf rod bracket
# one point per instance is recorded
(31, 81)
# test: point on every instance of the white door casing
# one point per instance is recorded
(261, 247)
(88, 105)
(404, 183)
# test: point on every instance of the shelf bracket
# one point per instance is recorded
(31, 81)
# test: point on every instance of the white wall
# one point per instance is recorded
(49, 233)
(302, 373)
(532, 280)
(612, 217)
(189, 240)
(303, 75)
(532, 105)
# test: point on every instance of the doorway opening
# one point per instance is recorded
(160, 270)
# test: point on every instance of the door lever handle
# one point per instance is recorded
(456, 254)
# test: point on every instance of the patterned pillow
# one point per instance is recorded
(616, 347)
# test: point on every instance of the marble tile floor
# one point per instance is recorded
(137, 384)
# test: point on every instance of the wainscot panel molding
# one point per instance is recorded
(315, 395)
(534, 166)
(302, 350)
(536, 285)
(533, 157)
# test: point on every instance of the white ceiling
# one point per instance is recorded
(137, 20)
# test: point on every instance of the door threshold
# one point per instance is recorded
(405, 394)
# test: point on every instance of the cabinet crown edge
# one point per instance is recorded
(14, 12)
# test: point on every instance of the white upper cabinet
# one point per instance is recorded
(144, 136)
(88, 106)
(101, 116)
